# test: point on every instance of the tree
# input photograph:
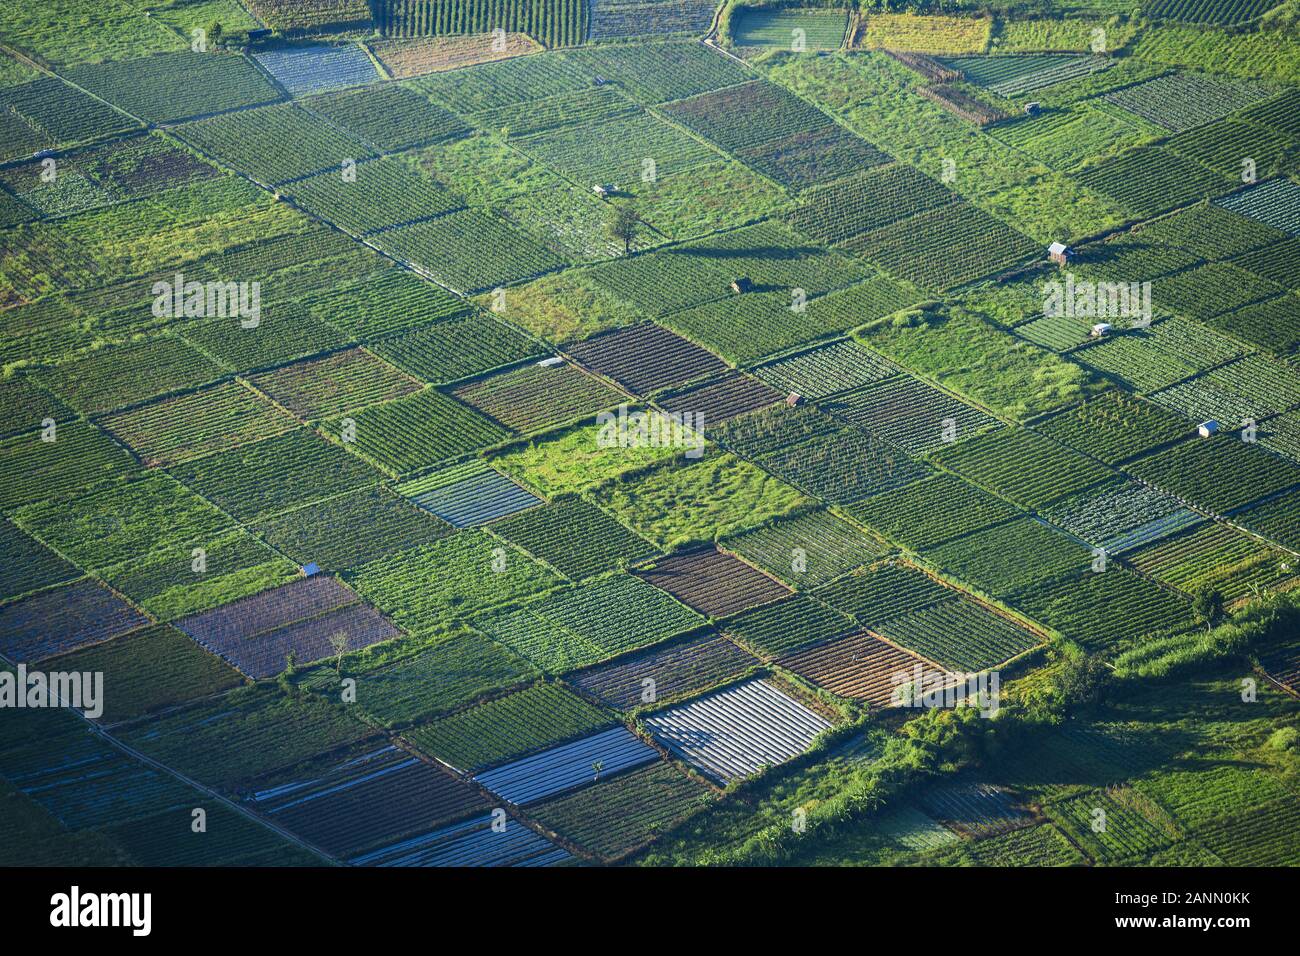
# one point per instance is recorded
(1081, 681)
(215, 31)
(339, 642)
(596, 767)
(623, 226)
(1207, 605)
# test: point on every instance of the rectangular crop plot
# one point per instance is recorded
(275, 474)
(110, 378)
(274, 144)
(1013, 76)
(841, 211)
(827, 369)
(1013, 555)
(416, 431)
(309, 69)
(713, 583)
(351, 529)
(1218, 474)
(457, 348)
(63, 619)
(645, 358)
(723, 399)
(787, 626)
(168, 87)
(539, 396)
(1149, 180)
(189, 426)
(1115, 426)
(568, 766)
(737, 732)
(928, 512)
(472, 843)
(469, 495)
(808, 550)
(860, 666)
(81, 456)
(613, 818)
(389, 117)
(28, 563)
(365, 801)
(659, 72)
(812, 157)
(307, 619)
(960, 635)
(470, 250)
(975, 810)
(1179, 101)
(673, 672)
(1275, 203)
(1121, 515)
(507, 728)
(883, 592)
(916, 417)
(1022, 466)
(344, 382)
(575, 537)
(385, 193)
(1104, 611)
(1216, 557)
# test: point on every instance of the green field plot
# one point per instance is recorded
(342, 382)
(811, 450)
(1201, 794)
(1277, 519)
(110, 378)
(698, 500)
(616, 151)
(579, 627)
(446, 675)
(1224, 146)
(1115, 427)
(32, 469)
(1013, 76)
(274, 144)
(1149, 180)
(1275, 203)
(120, 522)
(68, 31)
(1216, 557)
(457, 348)
(152, 669)
(1114, 826)
(517, 80)
(770, 255)
(539, 396)
(47, 112)
(840, 211)
(959, 635)
(658, 72)
(31, 564)
(565, 306)
(453, 578)
(1218, 474)
(812, 157)
(1065, 138)
(613, 818)
(794, 29)
(174, 86)
(1204, 292)
(388, 117)
(828, 369)
(1139, 360)
(24, 405)
(1022, 466)
(1043, 845)
(274, 475)
(749, 327)
(351, 529)
(1011, 556)
(787, 626)
(283, 333)
(591, 106)
(384, 193)
(574, 537)
(509, 727)
(245, 734)
(197, 423)
(1119, 515)
(884, 592)
(928, 512)
(807, 550)
(747, 115)
(1273, 324)
(916, 417)
(1105, 611)
(416, 431)
(470, 250)
(574, 460)
(688, 203)
(1180, 101)
(1207, 11)
(384, 303)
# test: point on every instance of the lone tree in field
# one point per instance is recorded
(1207, 605)
(623, 226)
(339, 642)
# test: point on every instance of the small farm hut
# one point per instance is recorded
(1208, 428)
(1101, 330)
(793, 399)
(1059, 253)
(741, 284)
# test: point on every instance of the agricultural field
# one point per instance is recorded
(565, 433)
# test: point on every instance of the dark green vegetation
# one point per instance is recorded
(600, 380)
